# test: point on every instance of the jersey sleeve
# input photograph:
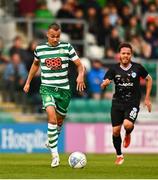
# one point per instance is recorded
(143, 72)
(72, 53)
(110, 74)
(36, 55)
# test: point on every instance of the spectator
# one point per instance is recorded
(133, 28)
(30, 54)
(126, 15)
(66, 12)
(15, 75)
(113, 15)
(3, 52)
(135, 6)
(104, 32)
(114, 40)
(92, 18)
(94, 79)
(17, 47)
(140, 47)
(27, 8)
(42, 12)
(34, 99)
(78, 28)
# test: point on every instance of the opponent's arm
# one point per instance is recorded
(147, 101)
(32, 72)
(80, 77)
(105, 83)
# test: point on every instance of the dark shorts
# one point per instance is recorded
(120, 112)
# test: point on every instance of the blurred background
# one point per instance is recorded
(95, 28)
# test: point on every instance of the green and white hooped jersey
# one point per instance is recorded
(54, 61)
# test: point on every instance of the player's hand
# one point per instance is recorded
(105, 83)
(80, 84)
(103, 86)
(26, 88)
(147, 103)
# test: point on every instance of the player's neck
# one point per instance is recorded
(53, 45)
(126, 66)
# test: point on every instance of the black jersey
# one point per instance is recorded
(127, 82)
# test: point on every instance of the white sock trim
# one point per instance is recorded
(52, 126)
(54, 150)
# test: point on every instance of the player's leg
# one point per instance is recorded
(60, 120)
(129, 126)
(117, 120)
(49, 106)
(117, 139)
(131, 114)
(62, 103)
(53, 135)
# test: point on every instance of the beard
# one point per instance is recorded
(125, 61)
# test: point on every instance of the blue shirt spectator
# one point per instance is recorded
(94, 79)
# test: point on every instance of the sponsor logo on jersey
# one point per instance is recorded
(54, 63)
(117, 76)
(125, 84)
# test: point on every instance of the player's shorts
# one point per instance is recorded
(57, 97)
(120, 112)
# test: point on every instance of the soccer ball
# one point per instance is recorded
(77, 160)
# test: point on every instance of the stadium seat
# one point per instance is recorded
(65, 37)
(90, 110)
(90, 38)
(95, 52)
(86, 63)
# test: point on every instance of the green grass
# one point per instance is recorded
(100, 166)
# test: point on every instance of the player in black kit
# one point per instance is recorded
(126, 99)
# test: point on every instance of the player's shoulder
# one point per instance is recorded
(65, 45)
(135, 64)
(62, 43)
(115, 66)
(41, 46)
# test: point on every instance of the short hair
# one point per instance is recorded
(127, 45)
(54, 26)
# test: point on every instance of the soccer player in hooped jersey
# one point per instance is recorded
(126, 99)
(53, 59)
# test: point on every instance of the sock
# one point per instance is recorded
(117, 144)
(128, 131)
(53, 137)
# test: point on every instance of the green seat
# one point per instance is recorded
(6, 118)
(81, 110)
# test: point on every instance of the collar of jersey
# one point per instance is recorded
(51, 45)
(126, 68)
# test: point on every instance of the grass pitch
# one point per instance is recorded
(99, 166)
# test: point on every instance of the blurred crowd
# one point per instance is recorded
(109, 23)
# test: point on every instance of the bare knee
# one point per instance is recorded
(60, 119)
(128, 125)
(52, 119)
(116, 131)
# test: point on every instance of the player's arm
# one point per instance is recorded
(32, 72)
(105, 83)
(80, 77)
(147, 101)
(109, 75)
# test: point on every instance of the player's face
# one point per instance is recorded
(53, 36)
(125, 56)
